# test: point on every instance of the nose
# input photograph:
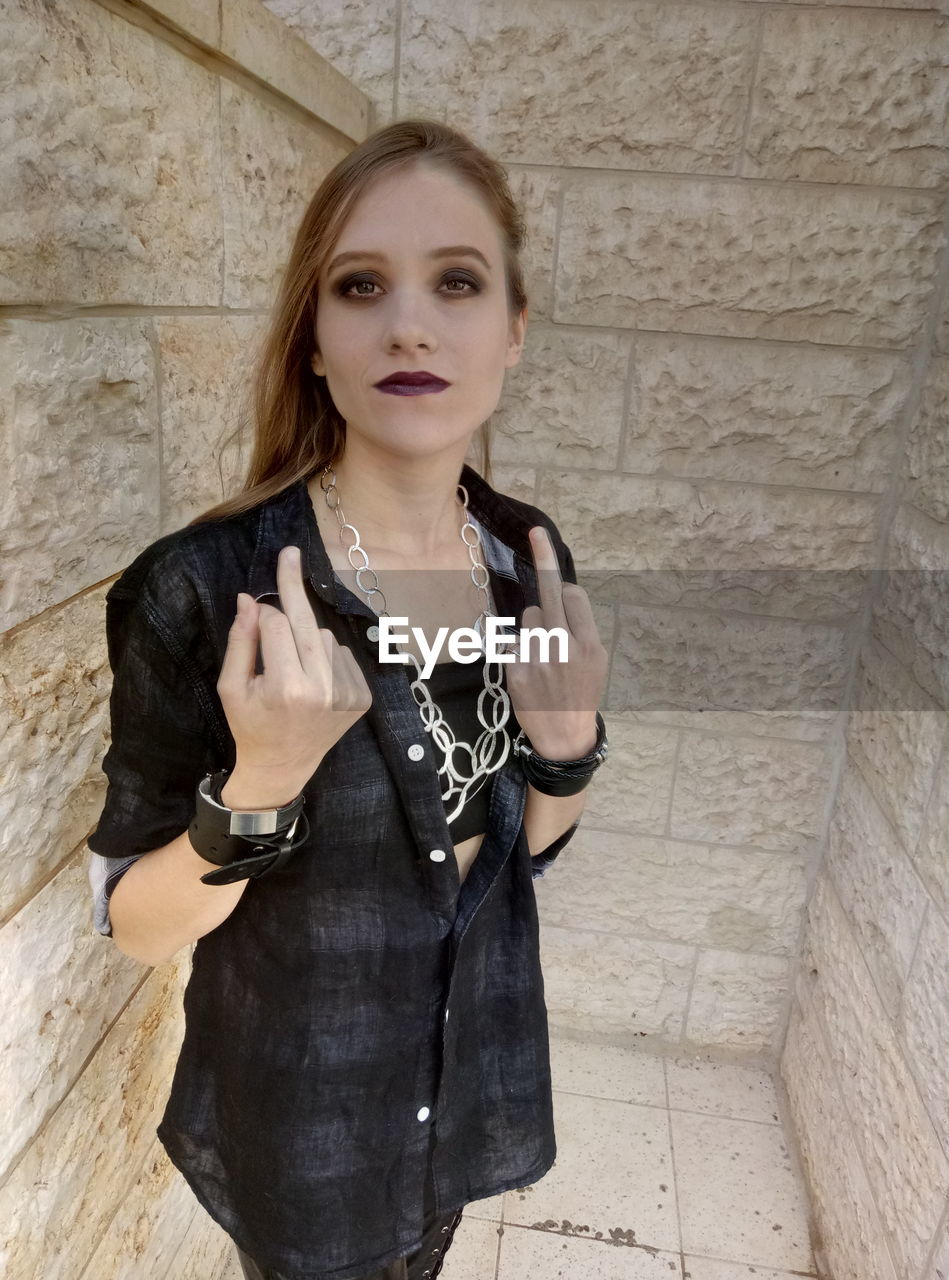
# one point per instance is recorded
(410, 323)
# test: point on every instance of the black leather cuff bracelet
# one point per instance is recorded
(246, 844)
(561, 777)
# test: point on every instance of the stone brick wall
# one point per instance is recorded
(734, 402)
(156, 159)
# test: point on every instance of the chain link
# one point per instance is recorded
(493, 744)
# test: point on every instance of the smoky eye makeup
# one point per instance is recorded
(342, 287)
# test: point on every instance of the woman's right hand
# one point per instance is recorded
(310, 692)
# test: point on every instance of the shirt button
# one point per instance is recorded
(415, 751)
(438, 855)
(423, 1113)
(372, 633)
(446, 1015)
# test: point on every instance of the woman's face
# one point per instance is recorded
(400, 305)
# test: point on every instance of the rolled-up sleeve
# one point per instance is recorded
(161, 747)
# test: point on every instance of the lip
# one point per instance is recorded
(418, 383)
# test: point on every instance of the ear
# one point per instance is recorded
(515, 339)
(317, 365)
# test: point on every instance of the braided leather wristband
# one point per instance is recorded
(561, 777)
(243, 845)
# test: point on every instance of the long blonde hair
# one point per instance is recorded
(298, 429)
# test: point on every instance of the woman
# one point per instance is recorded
(353, 846)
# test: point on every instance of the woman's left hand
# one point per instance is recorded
(556, 702)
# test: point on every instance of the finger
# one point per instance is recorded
(577, 609)
(240, 656)
(279, 653)
(350, 689)
(307, 634)
(549, 581)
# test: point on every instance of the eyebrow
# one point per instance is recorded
(447, 251)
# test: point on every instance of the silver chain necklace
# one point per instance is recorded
(493, 744)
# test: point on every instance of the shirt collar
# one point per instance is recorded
(289, 518)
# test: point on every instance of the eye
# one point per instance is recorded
(346, 287)
(462, 279)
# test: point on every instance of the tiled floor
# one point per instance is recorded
(665, 1170)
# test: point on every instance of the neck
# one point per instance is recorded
(411, 507)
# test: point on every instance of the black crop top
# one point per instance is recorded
(455, 687)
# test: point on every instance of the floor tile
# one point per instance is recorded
(489, 1208)
(714, 1269)
(612, 1178)
(607, 1071)
(544, 1255)
(738, 1195)
(473, 1253)
(744, 1093)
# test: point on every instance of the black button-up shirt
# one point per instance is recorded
(360, 1013)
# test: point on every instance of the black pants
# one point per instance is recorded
(424, 1264)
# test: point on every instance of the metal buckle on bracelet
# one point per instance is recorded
(221, 835)
(261, 822)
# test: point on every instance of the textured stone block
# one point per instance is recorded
(638, 86)
(850, 1232)
(207, 420)
(880, 892)
(545, 406)
(841, 97)
(358, 37)
(640, 887)
(54, 709)
(941, 1251)
(263, 44)
(911, 612)
(711, 667)
(871, 4)
(110, 193)
(51, 1026)
(931, 854)
(817, 264)
(894, 734)
(751, 791)
(105, 1125)
(199, 19)
(927, 454)
(161, 1229)
(206, 1250)
(631, 792)
(272, 165)
(617, 988)
(942, 327)
(814, 417)
(519, 482)
(738, 1001)
(717, 546)
(875, 1086)
(80, 455)
(151, 1226)
(537, 193)
(921, 1027)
